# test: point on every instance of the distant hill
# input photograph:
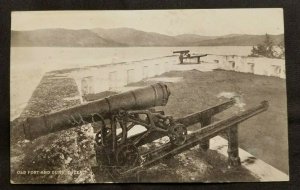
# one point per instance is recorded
(134, 37)
(100, 37)
(192, 38)
(239, 40)
(60, 37)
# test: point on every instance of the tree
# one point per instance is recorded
(265, 49)
(282, 50)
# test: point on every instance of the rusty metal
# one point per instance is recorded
(143, 98)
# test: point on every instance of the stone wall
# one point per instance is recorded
(111, 77)
(255, 65)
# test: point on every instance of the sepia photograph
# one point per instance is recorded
(122, 96)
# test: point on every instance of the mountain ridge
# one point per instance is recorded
(122, 37)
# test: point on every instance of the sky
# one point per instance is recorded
(208, 22)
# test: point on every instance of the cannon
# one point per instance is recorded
(184, 54)
(122, 154)
(154, 95)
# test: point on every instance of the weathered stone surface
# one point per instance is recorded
(63, 157)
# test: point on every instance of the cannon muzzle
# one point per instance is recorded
(143, 98)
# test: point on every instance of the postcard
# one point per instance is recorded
(118, 96)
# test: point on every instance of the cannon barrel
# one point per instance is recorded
(143, 98)
(182, 51)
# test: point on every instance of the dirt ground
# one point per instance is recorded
(265, 135)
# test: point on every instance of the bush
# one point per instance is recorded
(268, 49)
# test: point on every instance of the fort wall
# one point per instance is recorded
(111, 77)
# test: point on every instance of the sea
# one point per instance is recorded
(29, 64)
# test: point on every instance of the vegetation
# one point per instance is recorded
(268, 49)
